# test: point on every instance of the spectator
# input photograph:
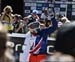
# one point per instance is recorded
(33, 17)
(25, 21)
(45, 14)
(5, 55)
(64, 20)
(7, 14)
(18, 25)
(65, 44)
(7, 17)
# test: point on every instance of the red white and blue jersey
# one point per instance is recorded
(41, 40)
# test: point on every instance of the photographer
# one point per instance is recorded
(7, 17)
(18, 24)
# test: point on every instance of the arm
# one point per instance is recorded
(2, 16)
(20, 27)
(26, 48)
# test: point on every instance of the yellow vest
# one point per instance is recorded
(8, 19)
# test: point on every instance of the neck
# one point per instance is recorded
(34, 34)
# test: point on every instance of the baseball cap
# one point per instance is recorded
(35, 12)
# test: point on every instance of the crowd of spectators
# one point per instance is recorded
(16, 23)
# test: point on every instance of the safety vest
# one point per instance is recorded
(8, 20)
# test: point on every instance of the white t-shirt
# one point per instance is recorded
(28, 43)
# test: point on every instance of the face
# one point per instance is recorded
(8, 11)
(31, 30)
(35, 27)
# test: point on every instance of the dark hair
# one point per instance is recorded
(65, 40)
(18, 16)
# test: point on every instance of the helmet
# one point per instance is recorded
(33, 25)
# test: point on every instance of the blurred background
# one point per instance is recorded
(24, 7)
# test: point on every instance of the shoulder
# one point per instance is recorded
(28, 34)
